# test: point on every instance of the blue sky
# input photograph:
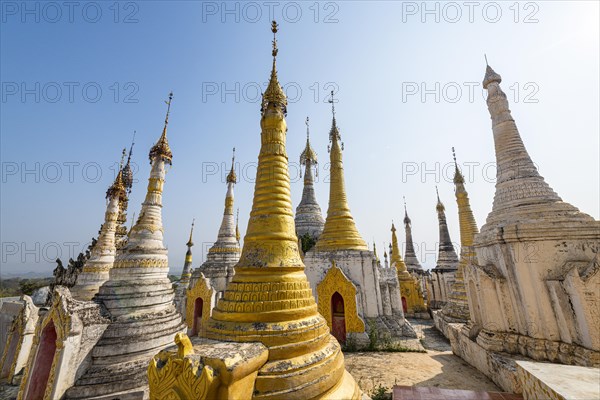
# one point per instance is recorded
(408, 80)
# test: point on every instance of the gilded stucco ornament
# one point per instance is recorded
(336, 281)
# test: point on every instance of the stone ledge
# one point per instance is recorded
(558, 382)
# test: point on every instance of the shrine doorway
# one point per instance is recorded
(404, 304)
(42, 364)
(198, 305)
(338, 318)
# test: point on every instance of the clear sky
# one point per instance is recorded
(79, 78)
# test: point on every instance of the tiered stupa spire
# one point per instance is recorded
(521, 192)
(458, 306)
(339, 232)
(269, 299)
(309, 219)
(412, 262)
(187, 266)
(447, 259)
(227, 237)
(396, 258)
(96, 269)
(138, 295)
(225, 251)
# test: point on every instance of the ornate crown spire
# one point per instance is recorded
(339, 232)
(161, 148)
(231, 177)
(334, 132)
(406, 218)
(274, 93)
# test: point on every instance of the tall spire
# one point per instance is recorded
(309, 219)
(274, 94)
(96, 268)
(339, 232)
(396, 258)
(458, 306)
(412, 262)
(447, 258)
(269, 299)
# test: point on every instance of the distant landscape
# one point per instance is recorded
(16, 286)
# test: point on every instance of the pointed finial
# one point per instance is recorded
(274, 29)
(458, 177)
(332, 101)
(486, 61)
(454, 157)
(131, 147)
(168, 102)
(190, 243)
(231, 177)
(440, 206)
(307, 129)
(406, 218)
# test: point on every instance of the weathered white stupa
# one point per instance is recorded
(442, 276)
(309, 219)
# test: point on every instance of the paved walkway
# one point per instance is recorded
(437, 368)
